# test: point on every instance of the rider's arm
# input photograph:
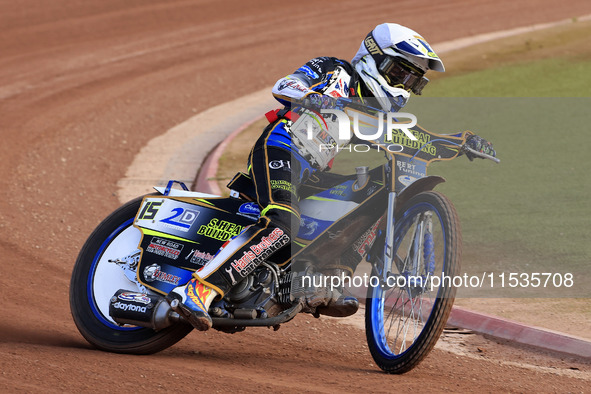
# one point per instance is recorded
(310, 79)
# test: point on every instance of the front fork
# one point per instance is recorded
(389, 247)
(422, 244)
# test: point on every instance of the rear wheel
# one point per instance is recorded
(95, 280)
(406, 315)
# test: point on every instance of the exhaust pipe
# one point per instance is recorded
(144, 310)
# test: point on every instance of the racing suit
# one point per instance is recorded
(280, 161)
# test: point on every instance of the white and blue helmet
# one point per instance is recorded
(392, 61)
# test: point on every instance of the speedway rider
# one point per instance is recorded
(390, 64)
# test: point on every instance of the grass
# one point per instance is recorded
(548, 63)
(540, 78)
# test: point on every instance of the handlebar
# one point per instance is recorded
(480, 154)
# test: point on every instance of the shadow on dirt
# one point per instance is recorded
(19, 334)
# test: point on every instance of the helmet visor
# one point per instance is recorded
(397, 73)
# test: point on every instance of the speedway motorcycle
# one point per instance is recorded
(389, 216)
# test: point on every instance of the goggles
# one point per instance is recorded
(397, 73)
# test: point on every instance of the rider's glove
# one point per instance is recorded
(318, 102)
(479, 144)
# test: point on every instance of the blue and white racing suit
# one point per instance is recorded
(279, 162)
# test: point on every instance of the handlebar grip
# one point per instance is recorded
(480, 154)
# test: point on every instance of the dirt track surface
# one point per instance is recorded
(85, 84)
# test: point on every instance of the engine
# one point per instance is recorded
(262, 294)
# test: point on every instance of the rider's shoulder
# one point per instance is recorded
(323, 64)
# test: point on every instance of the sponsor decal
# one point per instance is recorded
(154, 272)
(134, 297)
(278, 164)
(130, 307)
(317, 61)
(371, 190)
(367, 239)
(406, 179)
(168, 213)
(249, 209)
(339, 190)
(260, 252)
(219, 229)
(324, 138)
(308, 71)
(284, 185)
(198, 257)
(409, 168)
(292, 84)
(181, 219)
(230, 272)
(309, 225)
(421, 140)
(165, 248)
(372, 46)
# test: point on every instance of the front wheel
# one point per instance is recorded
(405, 315)
(96, 278)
